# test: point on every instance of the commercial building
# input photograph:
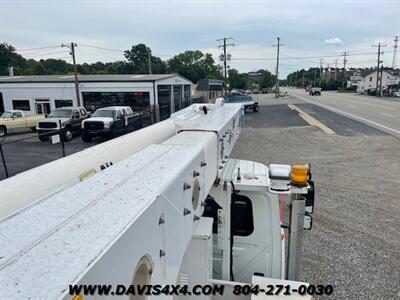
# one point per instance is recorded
(208, 90)
(156, 95)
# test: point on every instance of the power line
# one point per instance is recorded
(38, 48)
(119, 50)
(305, 57)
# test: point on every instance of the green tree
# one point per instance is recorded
(138, 56)
(9, 58)
(267, 79)
(194, 65)
(237, 80)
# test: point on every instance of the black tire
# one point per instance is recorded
(43, 138)
(86, 137)
(3, 131)
(256, 108)
(68, 135)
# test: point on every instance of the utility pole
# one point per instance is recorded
(320, 71)
(225, 43)
(335, 69)
(344, 67)
(72, 52)
(396, 45)
(149, 60)
(278, 45)
(315, 77)
(303, 79)
(378, 70)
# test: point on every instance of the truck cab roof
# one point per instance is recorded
(113, 107)
(246, 175)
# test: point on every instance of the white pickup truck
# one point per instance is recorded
(315, 91)
(16, 119)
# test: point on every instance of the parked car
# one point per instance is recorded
(315, 91)
(111, 121)
(371, 91)
(70, 119)
(247, 101)
(16, 119)
(396, 94)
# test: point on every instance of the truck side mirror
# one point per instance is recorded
(310, 196)
(308, 220)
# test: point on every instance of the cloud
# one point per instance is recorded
(333, 41)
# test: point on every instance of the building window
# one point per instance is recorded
(178, 97)
(63, 103)
(164, 101)
(242, 214)
(186, 94)
(21, 105)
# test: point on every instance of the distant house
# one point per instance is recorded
(208, 90)
(367, 79)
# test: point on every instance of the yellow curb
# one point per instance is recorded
(311, 120)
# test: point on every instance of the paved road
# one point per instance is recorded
(376, 112)
(355, 242)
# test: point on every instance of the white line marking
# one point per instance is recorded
(351, 115)
(387, 115)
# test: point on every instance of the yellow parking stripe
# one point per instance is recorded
(311, 120)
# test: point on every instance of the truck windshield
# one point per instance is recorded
(60, 113)
(104, 113)
(6, 115)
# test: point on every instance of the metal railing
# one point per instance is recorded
(3, 142)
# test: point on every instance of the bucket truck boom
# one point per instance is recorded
(180, 212)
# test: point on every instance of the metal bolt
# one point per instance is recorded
(186, 212)
(203, 203)
(196, 218)
(161, 220)
(162, 253)
(196, 174)
(186, 186)
(203, 164)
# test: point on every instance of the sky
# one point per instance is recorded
(307, 28)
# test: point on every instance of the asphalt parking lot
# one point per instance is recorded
(23, 151)
(355, 241)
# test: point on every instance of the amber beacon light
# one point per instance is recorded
(299, 174)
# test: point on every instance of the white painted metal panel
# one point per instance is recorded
(90, 232)
(56, 175)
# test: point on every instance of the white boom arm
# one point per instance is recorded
(59, 174)
(134, 219)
